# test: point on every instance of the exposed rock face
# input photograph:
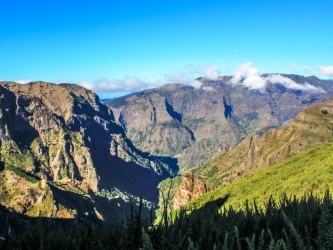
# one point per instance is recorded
(189, 188)
(63, 135)
(193, 124)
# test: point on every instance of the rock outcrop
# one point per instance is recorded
(189, 188)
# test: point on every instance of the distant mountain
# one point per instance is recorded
(63, 155)
(193, 124)
(285, 146)
(312, 127)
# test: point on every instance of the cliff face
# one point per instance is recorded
(194, 124)
(63, 136)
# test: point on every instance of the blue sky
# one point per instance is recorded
(122, 46)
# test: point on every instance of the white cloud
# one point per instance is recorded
(183, 77)
(211, 72)
(188, 77)
(326, 70)
(23, 81)
(129, 84)
(195, 84)
(247, 75)
(291, 84)
(86, 85)
(179, 76)
(132, 84)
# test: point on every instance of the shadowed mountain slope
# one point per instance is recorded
(60, 137)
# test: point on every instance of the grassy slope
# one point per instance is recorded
(298, 175)
(311, 128)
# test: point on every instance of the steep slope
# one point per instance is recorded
(194, 124)
(299, 175)
(59, 143)
(312, 127)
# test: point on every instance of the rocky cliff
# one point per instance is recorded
(193, 124)
(61, 146)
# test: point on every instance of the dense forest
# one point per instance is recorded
(289, 223)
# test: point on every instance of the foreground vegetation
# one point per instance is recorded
(310, 171)
(243, 215)
(290, 223)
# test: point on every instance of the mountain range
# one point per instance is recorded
(192, 124)
(66, 154)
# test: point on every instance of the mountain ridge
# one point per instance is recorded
(216, 116)
(70, 143)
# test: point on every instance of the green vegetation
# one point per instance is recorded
(291, 211)
(305, 223)
(25, 160)
(312, 127)
(167, 189)
(43, 208)
(18, 171)
(307, 172)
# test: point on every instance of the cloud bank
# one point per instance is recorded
(211, 72)
(132, 84)
(189, 76)
(128, 84)
(23, 81)
(248, 76)
(326, 70)
(291, 84)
